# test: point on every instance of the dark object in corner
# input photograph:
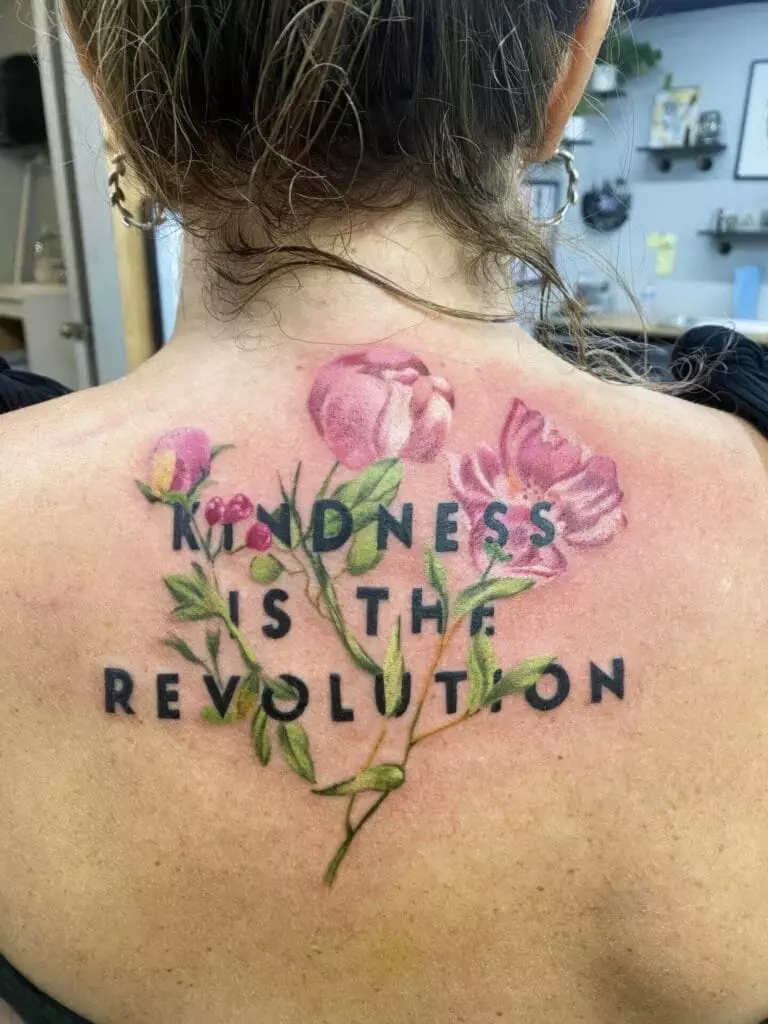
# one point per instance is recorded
(22, 119)
(18, 388)
(737, 380)
(32, 1005)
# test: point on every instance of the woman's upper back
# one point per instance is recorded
(489, 640)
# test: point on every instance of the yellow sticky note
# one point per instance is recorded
(665, 246)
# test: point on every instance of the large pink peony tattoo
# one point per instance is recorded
(537, 473)
(530, 502)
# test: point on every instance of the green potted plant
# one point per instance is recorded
(620, 58)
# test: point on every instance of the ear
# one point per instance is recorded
(577, 68)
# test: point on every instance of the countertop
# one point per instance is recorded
(629, 324)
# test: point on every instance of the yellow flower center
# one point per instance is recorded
(162, 473)
(514, 484)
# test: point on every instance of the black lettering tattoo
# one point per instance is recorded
(421, 611)
(451, 681)
(402, 529)
(221, 701)
(321, 542)
(182, 528)
(540, 703)
(302, 700)
(600, 680)
(405, 695)
(373, 596)
(118, 688)
(279, 522)
(338, 712)
(168, 695)
(282, 624)
(483, 611)
(445, 526)
(492, 511)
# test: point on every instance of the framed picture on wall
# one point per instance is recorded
(675, 119)
(541, 200)
(752, 161)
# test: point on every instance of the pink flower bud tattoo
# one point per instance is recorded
(179, 460)
(259, 537)
(237, 509)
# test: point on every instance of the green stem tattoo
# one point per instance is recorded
(411, 741)
(327, 482)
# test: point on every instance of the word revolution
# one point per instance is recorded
(119, 691)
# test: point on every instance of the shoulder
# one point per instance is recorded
(43, 445)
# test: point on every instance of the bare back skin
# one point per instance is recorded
(591, 849)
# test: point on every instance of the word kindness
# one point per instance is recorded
(332, 524)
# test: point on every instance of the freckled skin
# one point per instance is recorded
(597, 862)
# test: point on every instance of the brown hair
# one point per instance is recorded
(267, 114)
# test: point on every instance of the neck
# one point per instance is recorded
(323, 305)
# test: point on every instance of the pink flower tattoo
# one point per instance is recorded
(539, 494)
(179, 460)
(381, 403)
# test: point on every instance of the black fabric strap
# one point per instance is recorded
(18, 388)
(32, 1005)
(737, 372)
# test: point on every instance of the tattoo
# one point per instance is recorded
(530, 502)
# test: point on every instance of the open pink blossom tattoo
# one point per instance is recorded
(532, 501)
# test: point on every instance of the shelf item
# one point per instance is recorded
(725, 240)
(605, 94)
(666, 156)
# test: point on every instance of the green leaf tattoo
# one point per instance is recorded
(438, 577)
(195, 598)
(146, 490)
(362, 495)
(294, 744)
(496, 552)
(518, 679)
(262, 744)
(213, 643)
(218, 449)
(212, 715)
(364, 554)
(266, 569)
(394, 669)
(489, 590)
(482, 666)
(381, 778)
(247, 695)
(184, 650)
(281, 689)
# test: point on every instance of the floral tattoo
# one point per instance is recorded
(530, 502)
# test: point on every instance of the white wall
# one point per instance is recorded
(17, 36)
(713, 49)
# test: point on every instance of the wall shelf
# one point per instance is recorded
(725, 240)
(578, 142)
(605, 94)
(665, 156)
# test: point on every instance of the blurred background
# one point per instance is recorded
(671, 229)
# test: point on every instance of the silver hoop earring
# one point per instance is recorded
(117, 199)
(572, 190)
